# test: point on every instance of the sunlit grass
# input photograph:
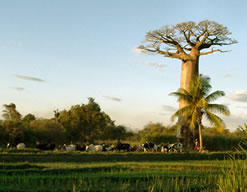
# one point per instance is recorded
(54, 171)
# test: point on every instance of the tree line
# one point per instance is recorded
(87, 123)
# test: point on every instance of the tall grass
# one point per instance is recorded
(235, 178)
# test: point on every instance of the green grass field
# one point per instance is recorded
(32, 170)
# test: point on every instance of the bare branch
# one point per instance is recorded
(178, 41)
(212, 51)
(187, 38)
(157, 50)
(200, 42)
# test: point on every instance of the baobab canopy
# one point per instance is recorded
(183, 39)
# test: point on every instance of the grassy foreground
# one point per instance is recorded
(55, 171)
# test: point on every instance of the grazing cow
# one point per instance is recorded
(10, 145)
(148, 146)
(107, 147)
(46, 146)
(90, 148)
(137, 148)
(122, 146)
(166, 148)
(21, 146)
(80, 147)
(70, 147)
(174, 147)
(98, 148)
(178, 147)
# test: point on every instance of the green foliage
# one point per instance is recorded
(13, 131)
(118, 133)
(10, 112)
(158, 133)
(199, 104)
(28, 118)
(235, 177)
(242, 130)
(84, 123)
(47, 131)
(68, 172)
(80, 124)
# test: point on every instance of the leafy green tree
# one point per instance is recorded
(14, 131)
(187, 41)
(157, 132)
(28, 118)
(47, 131)
(12, 124)
(10, 112)
(84, 123)
(118, 133)
(199, 103)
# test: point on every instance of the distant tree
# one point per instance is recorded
(118, 133)
(14, 131)
(12, 124)
(156, 132)
(187, 41)
(241, 130)
(199, 103)
(10, 112)
(28, 118)
(47, 131)
(84, 123)
(213, 131)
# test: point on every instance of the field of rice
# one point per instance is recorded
(32, 170)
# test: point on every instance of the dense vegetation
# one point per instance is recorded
(87, 123)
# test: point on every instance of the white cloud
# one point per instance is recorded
(169, 108)
(136, 51)
(234, 120)
(227, 76)
(240, 96)
(29, 78)
(17, 88)
(113, 98)
(156, 65)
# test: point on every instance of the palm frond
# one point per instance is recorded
(185, 111)
(219, 108)
(215, 95)
(182, 95)
(215, 120)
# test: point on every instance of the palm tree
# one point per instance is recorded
(242, 129)
(199, 103)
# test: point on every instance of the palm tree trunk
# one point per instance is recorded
(200, 137)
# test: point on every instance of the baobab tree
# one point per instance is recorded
(187, 41)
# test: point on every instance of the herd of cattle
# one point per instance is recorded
(147, 146)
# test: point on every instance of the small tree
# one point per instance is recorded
(198, 104)
(10, 112)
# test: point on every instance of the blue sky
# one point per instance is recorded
(57, 53)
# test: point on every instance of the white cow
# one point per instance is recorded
(99, 148)
(21, 146)
(70, 147)
(90, 148)
(94, 148)
(107, 147)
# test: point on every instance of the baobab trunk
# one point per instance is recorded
(189, 70)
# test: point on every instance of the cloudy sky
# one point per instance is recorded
(57, 53)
